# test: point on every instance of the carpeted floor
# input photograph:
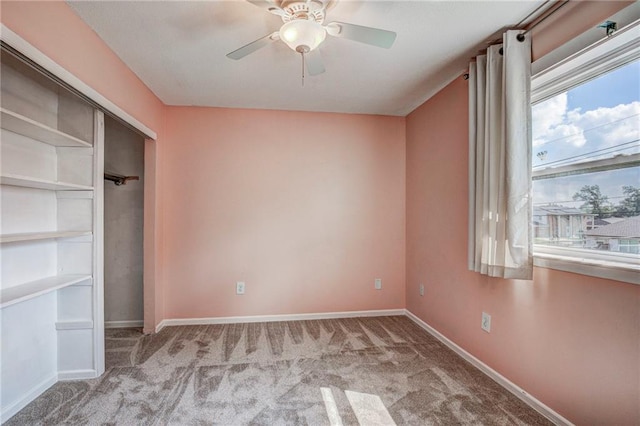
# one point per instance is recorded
(367, 371)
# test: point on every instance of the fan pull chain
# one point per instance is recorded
(302, 53)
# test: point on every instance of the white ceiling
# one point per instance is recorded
(178, 49)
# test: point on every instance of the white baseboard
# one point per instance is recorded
(271, 318)
(124, 324)
(35, 392)
(77, 375)
(493, 374)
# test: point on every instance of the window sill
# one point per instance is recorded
(595, 265)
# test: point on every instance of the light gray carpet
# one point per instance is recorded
(368, 371)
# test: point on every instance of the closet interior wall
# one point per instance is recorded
(123, 227)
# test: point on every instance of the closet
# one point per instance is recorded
(51, 170)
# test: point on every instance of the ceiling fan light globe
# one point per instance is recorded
(290, 35)
(302, 32)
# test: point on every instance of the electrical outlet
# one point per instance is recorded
(421, 289)
(378, 284)
(486, 322)
(240, 287)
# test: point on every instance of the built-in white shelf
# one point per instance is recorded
(27, 127)
(34, 236)
(51, 234)
(30, 182)
(22, 292)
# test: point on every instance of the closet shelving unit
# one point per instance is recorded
(50, 231)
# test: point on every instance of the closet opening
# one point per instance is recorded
(123, 235)
(123, 240)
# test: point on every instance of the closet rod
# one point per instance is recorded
(119, 179)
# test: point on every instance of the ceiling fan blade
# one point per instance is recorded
(253, 46)
(368, 35)
(314, 62)
(268, 6)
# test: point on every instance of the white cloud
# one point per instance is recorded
(550, 123)
(566, 133)
(609, 126)
(548, 114)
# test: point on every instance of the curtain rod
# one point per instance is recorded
(537, 9)
(537, 21)
(544, 16)
(527, 29)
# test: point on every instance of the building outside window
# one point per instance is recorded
(621, 236)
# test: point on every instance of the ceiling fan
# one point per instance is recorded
(303, 30)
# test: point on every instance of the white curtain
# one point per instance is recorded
(500, 236)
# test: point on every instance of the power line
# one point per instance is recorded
(566, 161)
(575, 201)
(589, 153)
(587, 130)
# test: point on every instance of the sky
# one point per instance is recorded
(602, 115)
(620, 86)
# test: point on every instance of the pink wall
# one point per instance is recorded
(54, 29)
(569, 340)
(306, 208)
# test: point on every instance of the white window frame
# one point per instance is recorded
(617, 50)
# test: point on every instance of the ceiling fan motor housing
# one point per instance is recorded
(308, 10)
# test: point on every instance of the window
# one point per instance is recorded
(586, 159)
(629, 246)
